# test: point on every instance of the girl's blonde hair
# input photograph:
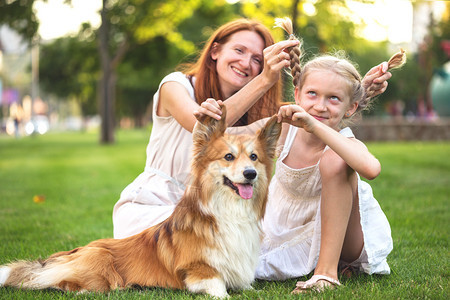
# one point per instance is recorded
(207, 80)
(338, 64)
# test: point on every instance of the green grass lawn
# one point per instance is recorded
(81, 180)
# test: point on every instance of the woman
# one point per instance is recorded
(241, 64)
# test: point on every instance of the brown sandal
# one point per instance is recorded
(317, 283)
(348, 271)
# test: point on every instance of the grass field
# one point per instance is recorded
(81, 180)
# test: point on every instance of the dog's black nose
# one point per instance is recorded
(249, 173)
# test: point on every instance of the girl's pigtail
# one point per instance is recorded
(295, 52)
(397, 60)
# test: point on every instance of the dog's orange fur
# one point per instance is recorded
(173, 254)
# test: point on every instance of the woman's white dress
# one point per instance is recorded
(291, 225)
(152, 196)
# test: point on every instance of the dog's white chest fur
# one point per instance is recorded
(237, 240)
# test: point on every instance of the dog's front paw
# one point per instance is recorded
(248, 288)
(214, 287)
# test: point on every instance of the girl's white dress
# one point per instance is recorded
(291, 225)
(152, 196)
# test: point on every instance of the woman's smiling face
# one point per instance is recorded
(238, 61)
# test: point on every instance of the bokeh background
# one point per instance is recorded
(95, 64)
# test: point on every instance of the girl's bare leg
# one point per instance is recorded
(341, 233)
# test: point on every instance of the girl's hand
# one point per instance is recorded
(297, 116)
(209, 107)
(375, 81)
(276, 58)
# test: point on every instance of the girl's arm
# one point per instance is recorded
(351, 150)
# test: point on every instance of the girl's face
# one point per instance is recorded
(238, 61)
(325, 95)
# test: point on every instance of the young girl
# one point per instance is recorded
(319, 211)
(320, 214)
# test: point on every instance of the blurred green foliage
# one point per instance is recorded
(20, 16)
(161, 34)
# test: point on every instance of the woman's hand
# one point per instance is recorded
(276, 58)
(375, 81)
(209, 107)
(297, 116)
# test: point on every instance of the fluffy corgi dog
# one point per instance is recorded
(208, 245)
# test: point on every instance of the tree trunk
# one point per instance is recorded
(295, 15)
(107, 82)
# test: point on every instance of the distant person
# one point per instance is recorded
(17, 118)
(16, 126)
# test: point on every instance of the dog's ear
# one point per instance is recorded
(208, 128)
(269, 135)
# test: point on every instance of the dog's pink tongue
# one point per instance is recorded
(245, 190)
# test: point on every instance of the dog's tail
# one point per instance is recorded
(33, 274)
(84, 268)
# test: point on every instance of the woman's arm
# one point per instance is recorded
(211, 108)
(275, 59)
(175, 100)
(375, 81)
(248, 129)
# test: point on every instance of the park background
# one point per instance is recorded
(82, 96)
(71, 65)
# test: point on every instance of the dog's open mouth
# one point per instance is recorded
(244, 190)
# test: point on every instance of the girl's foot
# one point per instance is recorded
(317, 283)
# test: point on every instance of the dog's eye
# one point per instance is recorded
(229, 157)
(253, 156)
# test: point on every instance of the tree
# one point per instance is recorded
(430, 58)
(69, 68)
(323, 27)
(133, 22)
(139, 75)
(20, 16)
